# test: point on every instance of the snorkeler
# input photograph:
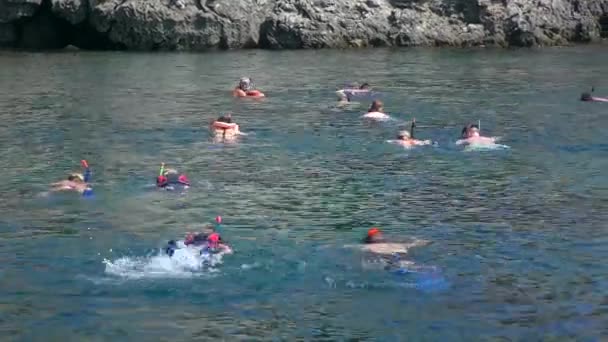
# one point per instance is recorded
(587, 97)
(376, 111)
(200, 238)
(406, 138)
(208, 239)
(215, 244)
(347, 94)
(168, 178)
(374, 235)
(245, 88)
(375, 242)
(376, 106)
(470, 136)
(76, 182)
(223, 127)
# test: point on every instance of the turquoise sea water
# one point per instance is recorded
(519, 235)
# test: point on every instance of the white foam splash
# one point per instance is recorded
(185, 263)
(485, 147)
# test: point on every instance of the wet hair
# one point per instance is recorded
(586, 96)
(225, 118)
(75, 178)
(364, 86)
(200, 237)
(464, 134)
(403, 134)
(371, 239)
(376, 106)
(465, 130)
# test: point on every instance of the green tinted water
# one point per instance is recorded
(519, 235)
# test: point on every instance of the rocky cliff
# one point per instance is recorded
(292, 24)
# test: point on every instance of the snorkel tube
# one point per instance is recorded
(218, 223)
(88, 192)
(87, 170)
(412, 128)
(161, 180)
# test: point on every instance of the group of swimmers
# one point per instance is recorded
(470, 134)
(224, 127)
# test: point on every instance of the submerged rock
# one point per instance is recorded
(294, 24)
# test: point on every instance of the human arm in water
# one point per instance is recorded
(422, 142)
(223, 248)
(238, 92)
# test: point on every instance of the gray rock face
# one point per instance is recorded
(11, 10)
(294, 24)
(74, 11)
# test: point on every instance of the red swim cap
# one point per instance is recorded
(214, 238)
(183, 180)
(373, 231)
(161, 181)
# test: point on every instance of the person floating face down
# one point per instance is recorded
(375, 242)
(347, 94)
(470, 135)
(374, 235)
(405, 138)
(76, 182)
(587, 97)
(170, 178)
(208, 238)
(245, 88)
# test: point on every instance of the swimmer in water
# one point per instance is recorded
(200, 238)
(375, 242)
(170, 178)
(224, 127)
(215, 244)
(406, 138)
(376, 106)
(245, 88)
(347, 94)
(77, 182)
(586, 97)
(74, 182)
(376, 111)
(470, 136)
(208, 239)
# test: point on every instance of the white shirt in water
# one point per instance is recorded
(376, 116)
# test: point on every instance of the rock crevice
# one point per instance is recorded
(296, 24)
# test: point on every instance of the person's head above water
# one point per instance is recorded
(365, 86)
(213, 240)
(586, 96)
(377, 106)
(403, 135)
(474, 131)
(471, 130)
(245, 83)
(227, 118)
(373, 235)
